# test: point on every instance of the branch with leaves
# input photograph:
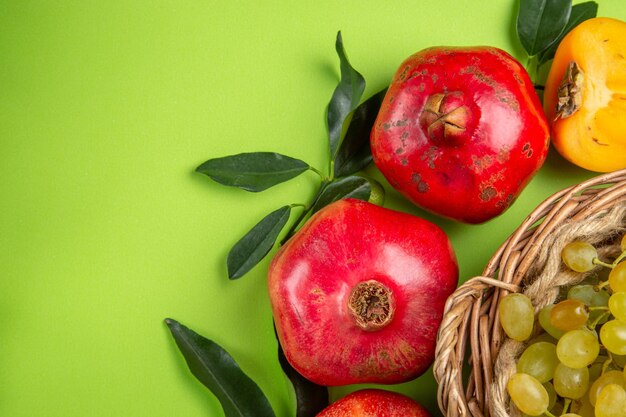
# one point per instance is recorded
(542, 24)
(258, 171)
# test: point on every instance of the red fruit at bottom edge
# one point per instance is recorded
(358, 294)
(374, 403)
(461, 131)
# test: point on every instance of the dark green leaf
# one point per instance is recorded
(239, 395)
(348, 187)
(580, 13)
(310, 398)
(253, 247)
(345, 97)
(254, 171)
(540, 22)
(354, 153)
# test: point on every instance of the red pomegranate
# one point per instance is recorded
(460, 132)
(358, 294)
(374, 403)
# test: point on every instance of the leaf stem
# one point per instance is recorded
(305, 212)
(532, 67)
(318, 172)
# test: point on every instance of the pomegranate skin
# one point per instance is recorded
(460, 132)
(374, 403)
(315, 286)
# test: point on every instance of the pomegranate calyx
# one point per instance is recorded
(372, 305)
(445, 117)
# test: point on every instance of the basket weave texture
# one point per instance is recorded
(474, 359)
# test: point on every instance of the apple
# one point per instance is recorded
(374, 403)
(460, 132)
(357, 294)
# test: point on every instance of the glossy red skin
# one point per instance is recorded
(478, 174)
(311, 278)
(374, 403)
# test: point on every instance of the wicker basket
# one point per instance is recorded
(473, 358)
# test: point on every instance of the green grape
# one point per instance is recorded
(617, 305)
(578, 348)
(611, 377)
(617, 277)
(589, 294)
(551, 394)
(611, 402)
(595, 370)
(582, 407)
(579, 256)
(619, 360)
(543, 337)
(623, 244)
(571, 382)
(552, 397)
(571, 415)
(539, 360)
(613, 336)
(592, 296)
(546, 324)
(517, 316)
(569, 315)
(528, 394)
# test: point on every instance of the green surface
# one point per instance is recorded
(107, 107)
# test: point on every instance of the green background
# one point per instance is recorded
(107, 107)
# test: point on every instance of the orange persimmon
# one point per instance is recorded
(585, 95)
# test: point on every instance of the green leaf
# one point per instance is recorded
(253, 247)
(580, 13)
(348, 187)
(540, 22)
(239, 395)
(254, 171)
(345, 98)
(310, 397)
(354, 153)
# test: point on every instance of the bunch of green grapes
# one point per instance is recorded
(573, 366)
